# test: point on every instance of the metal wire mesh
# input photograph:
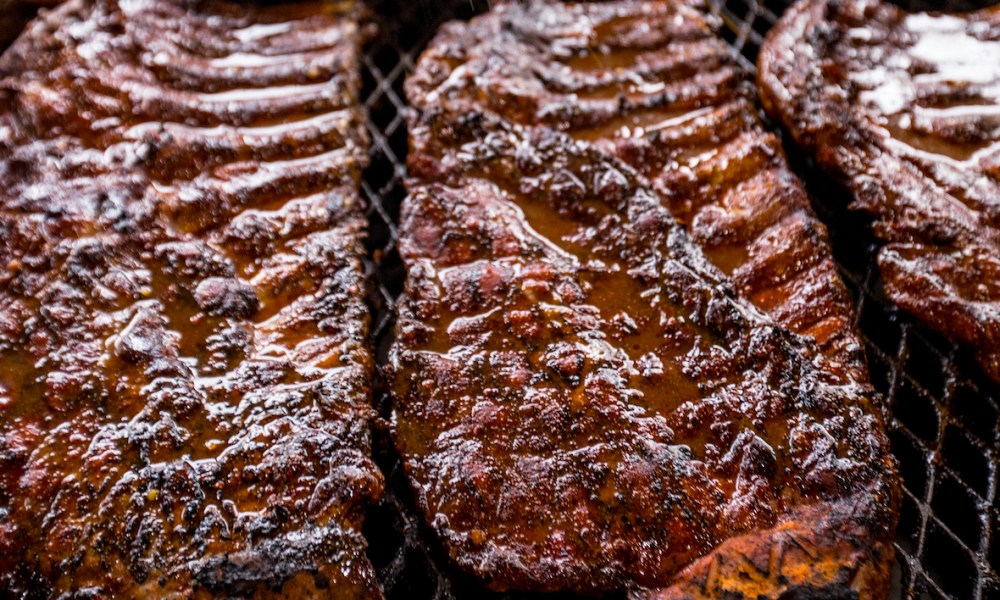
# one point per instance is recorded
(944, 430)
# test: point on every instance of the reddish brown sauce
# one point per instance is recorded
(184, 382)
(581, 399)
(903, 108)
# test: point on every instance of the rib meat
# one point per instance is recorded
(672, 101)
(184, 379)
(581, 399)
(903, 109)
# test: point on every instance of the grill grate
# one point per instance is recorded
(944, 431)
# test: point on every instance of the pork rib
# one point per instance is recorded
(184, 378)
(903, 109)
(671, 100)
(581, 399)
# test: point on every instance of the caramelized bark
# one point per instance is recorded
(184, 379)
(582, 400)
(903, 109)
(651, 83)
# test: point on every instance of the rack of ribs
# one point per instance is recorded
(184, 378)
(671, 100)
(902, 109)
(583, 401)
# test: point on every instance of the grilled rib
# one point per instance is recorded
(903, 109)
(671, 100)
(581, 399)
(184, 379)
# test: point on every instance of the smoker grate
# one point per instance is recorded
(944, 431)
